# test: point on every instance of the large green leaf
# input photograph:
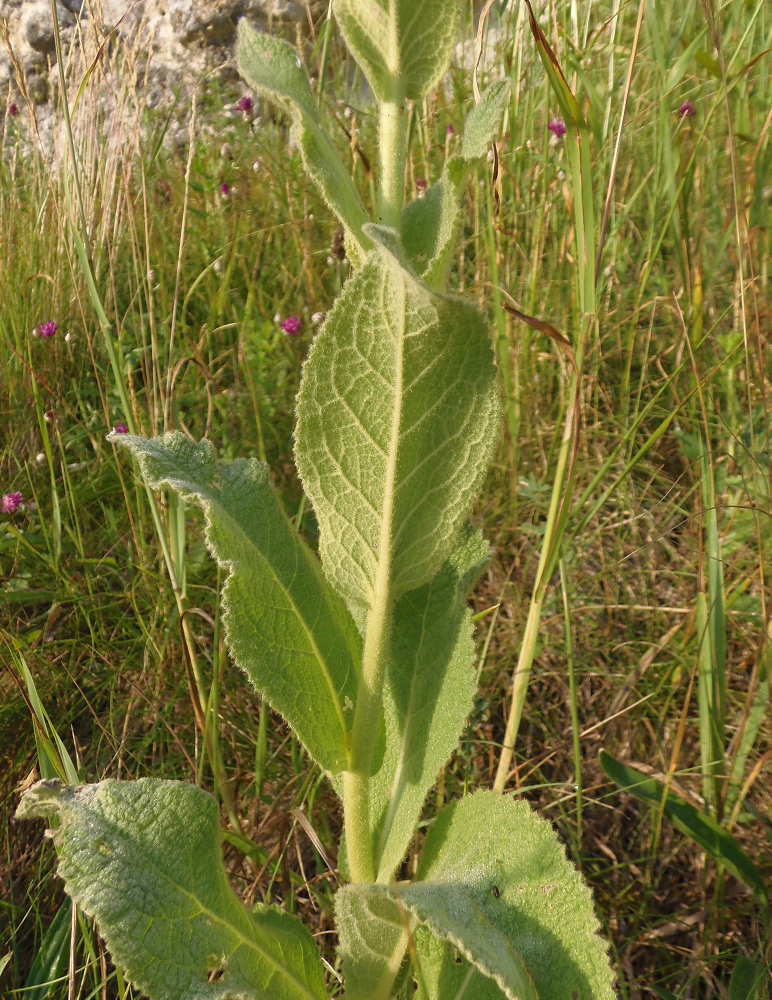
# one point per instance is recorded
(496, 884)
(430, 689)
(272, 66)
(502, 913)
(143, 859)
(404, 42)
(397, 419)
(286, 628)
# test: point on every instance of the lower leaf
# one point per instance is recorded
(496, 884)
(143, 859)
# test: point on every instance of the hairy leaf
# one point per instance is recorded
(271, 66)
(496, 884)
(484, 121)
(429, 228)
(143, 859)
(446, 973)
(373, 936)
(429, 694)
(429, 223)
(410, 41)
(397, 419)
(286, 628)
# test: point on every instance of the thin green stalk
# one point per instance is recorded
(580, 166)
(575, 733)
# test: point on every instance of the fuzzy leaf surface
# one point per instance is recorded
(398, 416)
(484, 122)
(271, 66)
(446, 973)
(429, 223)
(372, 938)
(143, 859)
(429, 694)
(409, 41)
(285, 627)
(429, 227)
(538, 924)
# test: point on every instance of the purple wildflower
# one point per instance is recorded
(558, 127)
(47, 329)
(246, 104)
(450, 130)
(687, 110)
(13, 110)
(292, 325)
(421, 183)
(120, 429)
(12, 502)
(225, 189)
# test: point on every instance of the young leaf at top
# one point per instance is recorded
(430, 223)
(430, 689)
(143, 859)
(271, 66)
(404, 43)
(494, 882)
(397, 419)
(286, 628)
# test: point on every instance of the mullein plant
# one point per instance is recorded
(367, 651)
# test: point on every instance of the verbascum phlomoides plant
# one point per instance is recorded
(367, 650)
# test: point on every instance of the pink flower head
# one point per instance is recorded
(450, 130)
(687, 110)
(558, 127)
(13, 110)
(47, 329)
(120, 429)
(292, 326)
(12, 502)
(246, 104)
(225, 189)
(421, 183)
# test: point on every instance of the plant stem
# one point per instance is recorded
(393, 152)
(364, 735)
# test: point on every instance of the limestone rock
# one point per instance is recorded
(179, 42)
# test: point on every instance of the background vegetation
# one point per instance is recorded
(203, 235)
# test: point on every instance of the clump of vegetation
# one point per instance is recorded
(628, 504)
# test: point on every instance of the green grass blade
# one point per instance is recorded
(697, 825)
